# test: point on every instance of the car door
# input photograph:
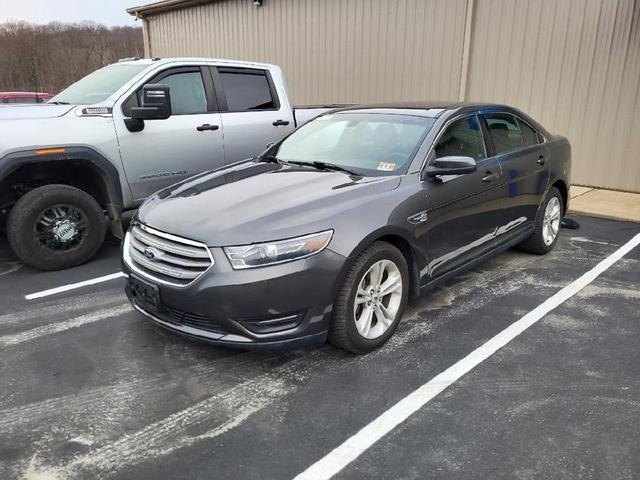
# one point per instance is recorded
(190, 141)
(518, 148)
(253, 116)
(461, 216)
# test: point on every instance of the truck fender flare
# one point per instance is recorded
(106, 171)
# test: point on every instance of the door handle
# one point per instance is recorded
(280, 123)
(206, 126)
(541, 160)
(489, 177)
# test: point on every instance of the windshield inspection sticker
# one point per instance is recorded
(386, 166)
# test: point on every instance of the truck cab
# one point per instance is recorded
(70, 167)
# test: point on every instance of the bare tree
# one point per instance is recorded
(51, 57)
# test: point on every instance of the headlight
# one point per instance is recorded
(270, 253)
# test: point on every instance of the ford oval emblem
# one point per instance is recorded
(150, 253)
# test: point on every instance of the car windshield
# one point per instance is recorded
(99, 85)
(372, 144)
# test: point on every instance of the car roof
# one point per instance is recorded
(431, 109)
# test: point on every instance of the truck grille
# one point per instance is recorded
(166, 258)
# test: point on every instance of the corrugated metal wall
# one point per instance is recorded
(332, 51)
(572, 64)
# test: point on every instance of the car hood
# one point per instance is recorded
(253, 202)
(44, 110)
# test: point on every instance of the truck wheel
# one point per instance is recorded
(55, 227)
(371, 300)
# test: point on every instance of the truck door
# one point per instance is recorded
(190, 141)
(253, 114)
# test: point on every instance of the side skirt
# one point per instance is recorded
(503, 246)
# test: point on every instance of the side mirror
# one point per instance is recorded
(156, 103)
(451, 166)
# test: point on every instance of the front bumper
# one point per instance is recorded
(280, 306)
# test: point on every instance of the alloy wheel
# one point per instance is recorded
(378, 299)
(551, 221)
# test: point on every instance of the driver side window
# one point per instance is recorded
(188, 94)
(462, 138)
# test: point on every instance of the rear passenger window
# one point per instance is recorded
(462, 138)
(529, 135)
(504, 132)
(247, 91)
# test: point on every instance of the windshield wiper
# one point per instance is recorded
(58, 102)
(326, 166)
(268, 159)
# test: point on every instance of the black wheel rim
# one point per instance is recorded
(61, 228)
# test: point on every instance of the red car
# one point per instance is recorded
(24, 97)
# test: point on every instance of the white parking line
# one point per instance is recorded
(73, 286)
(52, 328)
(353, 447)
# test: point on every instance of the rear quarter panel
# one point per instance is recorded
(560, 154)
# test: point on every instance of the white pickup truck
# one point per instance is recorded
(70, 167)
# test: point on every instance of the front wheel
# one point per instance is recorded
(547, 225)
(371, 299)
(55, 227)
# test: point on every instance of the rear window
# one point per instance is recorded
(247, 91)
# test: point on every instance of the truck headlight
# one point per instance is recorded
(271, 253)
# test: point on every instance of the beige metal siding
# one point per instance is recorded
(330, 50)
(572, 64)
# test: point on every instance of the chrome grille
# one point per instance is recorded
(164, 257)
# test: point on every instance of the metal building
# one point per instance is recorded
(572, 64)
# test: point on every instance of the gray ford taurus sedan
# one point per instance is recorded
(333, 228)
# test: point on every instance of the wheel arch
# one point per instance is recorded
(564, 191)
(399, 239)
(80, 167)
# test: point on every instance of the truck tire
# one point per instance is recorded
(55, 227)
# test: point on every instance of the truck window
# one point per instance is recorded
(247, 91)
(187, 93)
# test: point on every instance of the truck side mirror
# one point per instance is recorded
(156, 103)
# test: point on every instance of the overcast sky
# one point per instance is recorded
(108, 12)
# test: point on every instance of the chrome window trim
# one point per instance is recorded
(127, 257)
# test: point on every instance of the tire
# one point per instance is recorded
(344, 331)
(536, 243)
(70, 219)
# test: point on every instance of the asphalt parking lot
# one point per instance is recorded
(90, 389)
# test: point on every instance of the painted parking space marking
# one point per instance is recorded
(73, 286)
(353, 447)
(32, 334)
